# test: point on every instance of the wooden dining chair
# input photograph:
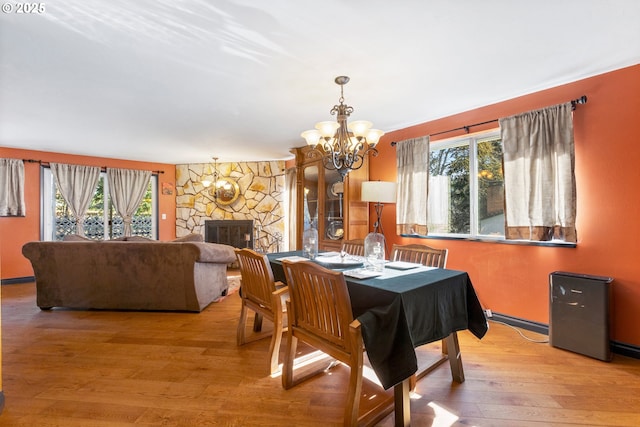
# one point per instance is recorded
(430, 257)
(265, 297)
(319, 314)
(420, 254)
(353, 247)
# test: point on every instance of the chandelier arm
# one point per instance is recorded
(370, 150)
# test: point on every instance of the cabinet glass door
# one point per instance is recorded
(334, 205)
(310, 197)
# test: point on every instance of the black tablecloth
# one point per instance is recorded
(400, 313)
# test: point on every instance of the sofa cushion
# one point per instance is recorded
(138, 239)
(76, 238)
(193, 237)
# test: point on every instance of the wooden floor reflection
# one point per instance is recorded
(107, 368)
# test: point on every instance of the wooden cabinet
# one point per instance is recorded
(332, 206)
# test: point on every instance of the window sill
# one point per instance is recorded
(553, 244)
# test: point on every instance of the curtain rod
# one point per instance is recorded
(103, 168)
(574, 103)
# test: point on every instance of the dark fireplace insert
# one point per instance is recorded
(233, 232)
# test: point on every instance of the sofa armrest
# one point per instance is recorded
(214, 252)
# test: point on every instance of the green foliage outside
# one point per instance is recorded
(454, 163)
(96, 207)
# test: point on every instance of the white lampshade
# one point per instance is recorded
(373, 136)
(311, 136)
(379, 191)
(359, 127)
(327, 129)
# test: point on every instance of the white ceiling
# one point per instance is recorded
(181, 81)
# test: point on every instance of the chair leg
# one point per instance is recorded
(455, 359)
(402, 404)
(413, 381)
(257, 322)
(274, 347)
(242, 323)
(422, 371)
(289, 357)
(353, 396)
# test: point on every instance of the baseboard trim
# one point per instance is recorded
(625, 349)
(17, 280)
(617, 347)
(528, 325)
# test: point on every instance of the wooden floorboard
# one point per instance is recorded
(131, 369)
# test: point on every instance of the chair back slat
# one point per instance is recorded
(421, 254)
(354, 247)
(257, 277)
(320, 304)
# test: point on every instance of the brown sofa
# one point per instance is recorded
(129, 275)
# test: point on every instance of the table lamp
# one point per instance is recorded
(378, 192)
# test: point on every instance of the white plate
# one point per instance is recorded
(293, 258)
(338, 261)
(362, 273)
(402, 265)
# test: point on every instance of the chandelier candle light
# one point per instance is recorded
(343, 146)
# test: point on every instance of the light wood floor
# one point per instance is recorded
(99, 368)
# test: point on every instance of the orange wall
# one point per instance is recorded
(513, 279)
(509, 279)
(15, 232)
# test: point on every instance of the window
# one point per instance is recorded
(102, 221)
(466, 191)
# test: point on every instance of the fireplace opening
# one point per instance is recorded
(233, 232)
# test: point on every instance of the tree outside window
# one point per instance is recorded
(466, 194)
(101, 211)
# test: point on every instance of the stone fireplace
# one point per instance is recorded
(261, 201)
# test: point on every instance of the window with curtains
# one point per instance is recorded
(102, 222)
(466, 188)
(516, 183)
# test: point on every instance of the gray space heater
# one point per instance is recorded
(579, 313)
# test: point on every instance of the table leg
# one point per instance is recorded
(402, 404)
(455, 359)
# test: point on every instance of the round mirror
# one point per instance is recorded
(226, 191)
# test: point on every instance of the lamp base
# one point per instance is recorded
(377, 226)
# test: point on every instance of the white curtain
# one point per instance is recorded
(77, 185)
(539, 180)
(12, 187)
(412, 157)
(127, 187)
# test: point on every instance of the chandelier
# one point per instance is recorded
(343, 146)
(225, 190)
(207, 182)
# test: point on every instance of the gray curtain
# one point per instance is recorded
(127, 187)
(291, 183)
(412, 157)
(77, 185)
(12, 188)
(539, 180)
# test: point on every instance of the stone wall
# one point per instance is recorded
(262, 196)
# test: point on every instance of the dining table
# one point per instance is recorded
(401, 308)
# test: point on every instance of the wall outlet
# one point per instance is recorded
(488, 313)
